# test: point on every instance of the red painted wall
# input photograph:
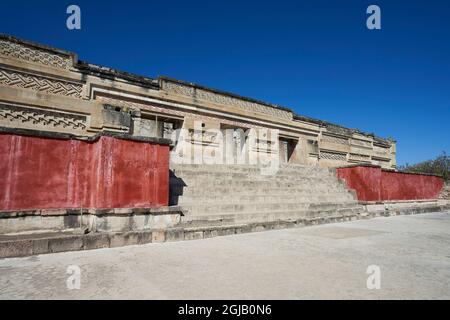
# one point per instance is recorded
(375, 184)
(404, 186)
(364, 180)
(44, 173)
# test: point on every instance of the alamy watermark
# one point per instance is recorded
(73, 282)
(374, 278)
(73, 21)
(374, 20)
(253, 146)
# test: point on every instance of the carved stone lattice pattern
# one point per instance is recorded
(41, 84)
(22, 116)
(31, 54)
(226, 100)
(381, 150)
(359, 157)
(334, 139)
(333, 156)
(362, 143)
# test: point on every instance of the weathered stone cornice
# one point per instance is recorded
(35, 52)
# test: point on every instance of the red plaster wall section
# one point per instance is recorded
(375, 184)
(364, 180)
(45, 173)
(404, 186)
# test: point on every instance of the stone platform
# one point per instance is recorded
(88, 220)
(26, 244)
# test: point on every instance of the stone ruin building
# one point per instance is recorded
(49, 89)
(49, 93)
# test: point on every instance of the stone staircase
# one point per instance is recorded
(213, 195)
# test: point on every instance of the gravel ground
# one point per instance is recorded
(319, 262)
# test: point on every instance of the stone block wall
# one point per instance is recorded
(445, 193)
(107, 172)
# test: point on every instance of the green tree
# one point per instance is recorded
(440, 166)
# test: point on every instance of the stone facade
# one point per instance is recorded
(445, 193)
(47, 89)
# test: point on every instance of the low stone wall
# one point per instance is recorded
(89, 220)
(445, 193)
(372, 183)
(54, 171)
(33, 244)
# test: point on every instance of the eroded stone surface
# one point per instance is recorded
(411, 251)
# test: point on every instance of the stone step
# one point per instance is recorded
(300, 173)
(200, 209)
(252, 170)
(264, 198)
(246, 168)
(281, 180)
(256, 216)
(242, 191)
(185, 200)
(294, 176)
(255, 183)
(233, 166)
(243, 174)
(26, 245)
(209, 191)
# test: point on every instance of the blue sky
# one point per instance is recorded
(314, 56)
